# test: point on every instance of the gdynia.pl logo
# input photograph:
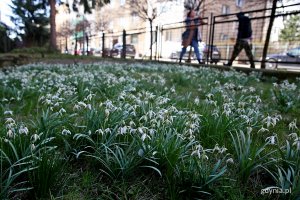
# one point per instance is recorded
(275, 190)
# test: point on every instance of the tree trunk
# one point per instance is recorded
(265, 50)
(151, 39)
(52, 25)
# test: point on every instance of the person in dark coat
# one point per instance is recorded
(191, 37)
(243, 41)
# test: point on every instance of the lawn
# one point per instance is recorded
(147, 131)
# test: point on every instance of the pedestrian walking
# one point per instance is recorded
(191, 36)
(244, 39)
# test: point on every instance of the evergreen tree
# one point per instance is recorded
(31, 21)
(291, 31)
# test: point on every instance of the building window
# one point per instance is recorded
(225, 9)
(169, 35)
(122, 2)
(224, 36)
(134, 39)
(239, 3)
(134, 17)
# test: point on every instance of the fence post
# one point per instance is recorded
(210, 36)
(103, 45)
(212, 39)
(124, 45)
(156, 34)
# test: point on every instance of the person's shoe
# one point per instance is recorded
(201, 62)
(252, 66)
(227, 64)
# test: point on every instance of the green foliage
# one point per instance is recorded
(291, 31)
(31, 20)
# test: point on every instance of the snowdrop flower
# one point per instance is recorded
(10, 133)
(61, 111)
(23, 130)
(32, 147)
(10, 121)
(107, 112)
(141, 152)
(8, 112)
(262, 130)
(272, 139)
(293, 125)
(144, 136)
(249, 130)
(66, 132)
(123, 130)
(297, 143)
(35, 137)
(293, 136)
(229, 160)
(82, 104)
(99, 131)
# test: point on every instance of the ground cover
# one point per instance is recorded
(147, 131)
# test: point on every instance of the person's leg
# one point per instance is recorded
(196, 50)
(248, 50)
(183, 50)
(236, 50)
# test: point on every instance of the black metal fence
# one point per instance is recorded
(218, 34)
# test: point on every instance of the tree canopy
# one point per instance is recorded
(31, 20)
(291, 31)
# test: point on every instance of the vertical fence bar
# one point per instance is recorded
(210, 36)
(103, 45)
(124, 45)
(156, 41)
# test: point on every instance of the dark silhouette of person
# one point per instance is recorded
(243, 41)
(191, 37)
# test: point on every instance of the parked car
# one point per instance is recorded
(289, 58)
(213, 57)
(116, 51)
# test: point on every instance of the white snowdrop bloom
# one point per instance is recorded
(229, 161)
(144, 136)
(293, 125)
(249, 130)
(99, 131)
(272, 139)
(209, 95)
(61, 111)
(123, 130)
(198, 150)
(56, 104)
(107, 112)
(66, 132)
(131, 123)
(172, 89)
(89, 106)
(275, 85)
(35, 137)
(252, 89)
(107, 130)
(82, 104)
(76, 107)
(8, 112)
(152, 132)
(89, 97)
(10, 120)
(262, 130)
(297, 143)
(10, 134)
(141, 152)
(268, 121)
(23, 130)
(293, 136)
(32, 147)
